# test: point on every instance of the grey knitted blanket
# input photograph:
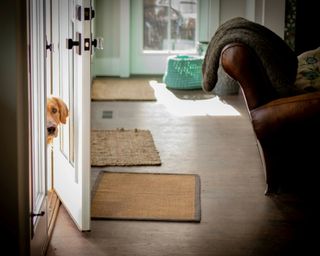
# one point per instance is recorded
(275, 55)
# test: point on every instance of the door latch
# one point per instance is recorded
(98, 43)
(87, 44)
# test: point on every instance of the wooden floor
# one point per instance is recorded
(212, 137)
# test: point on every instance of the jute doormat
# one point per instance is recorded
(122, 147)
(113, 89)
(146, 196)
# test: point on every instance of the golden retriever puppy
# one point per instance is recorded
(57, 113)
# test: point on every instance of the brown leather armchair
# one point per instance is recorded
(287, 128)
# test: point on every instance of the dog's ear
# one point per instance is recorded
(63, 109)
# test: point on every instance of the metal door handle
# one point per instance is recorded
(94, 42)
(49, 47)
(98, 43)
(37, 214)
(71, 43)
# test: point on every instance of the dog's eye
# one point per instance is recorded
(54, 110)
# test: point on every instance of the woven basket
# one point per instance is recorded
(183, 72)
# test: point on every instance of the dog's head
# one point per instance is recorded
(57, 113)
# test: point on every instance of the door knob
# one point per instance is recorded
(94, 42)
(37, 214)
(98, 43)
(49, 47)
(71, 43)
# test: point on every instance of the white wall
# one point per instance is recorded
(270, 13)
(273, 15)
(232, 8)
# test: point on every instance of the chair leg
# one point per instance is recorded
(271, 168)
(271, 190)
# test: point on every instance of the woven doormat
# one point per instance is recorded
(114, 89)
(122, 147)
(146, 196)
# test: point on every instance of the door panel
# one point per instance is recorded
(66, 71)
(71, 76)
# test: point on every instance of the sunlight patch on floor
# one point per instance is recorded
(189, 105)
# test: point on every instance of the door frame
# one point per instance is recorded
(36, 31)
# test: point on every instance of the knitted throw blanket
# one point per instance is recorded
(279, 61)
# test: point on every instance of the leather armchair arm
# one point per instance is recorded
(244, 66)
(286, 114)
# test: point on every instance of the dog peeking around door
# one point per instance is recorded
(57, 113)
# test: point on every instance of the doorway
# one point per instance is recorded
(61, 171)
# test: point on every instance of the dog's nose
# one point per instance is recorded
(51, 129)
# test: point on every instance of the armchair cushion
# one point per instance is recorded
(308, 75)
(280, 116)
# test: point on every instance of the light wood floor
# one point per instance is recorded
(211, 137)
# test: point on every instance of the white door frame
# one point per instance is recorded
(37, 127)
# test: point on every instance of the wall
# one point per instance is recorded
(270, 13)
(14, 165)
(307, 23)
(232, 8)
(273, 15)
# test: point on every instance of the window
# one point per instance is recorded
(169, 25)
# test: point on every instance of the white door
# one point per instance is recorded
(71, 82)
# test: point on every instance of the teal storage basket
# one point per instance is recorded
(183, 72)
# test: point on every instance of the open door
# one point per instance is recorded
(71, 37)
